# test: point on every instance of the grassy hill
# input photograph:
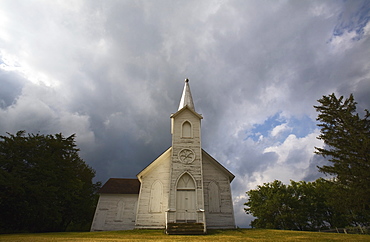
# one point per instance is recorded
(213, 235)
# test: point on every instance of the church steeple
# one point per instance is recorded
(186, 99)
(186, 201)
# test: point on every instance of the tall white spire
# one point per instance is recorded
(186, 99)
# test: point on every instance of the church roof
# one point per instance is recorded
(186, 108)
(220, 166)
(121, 186)
(156, 162)
(186, 98)
(167, 153)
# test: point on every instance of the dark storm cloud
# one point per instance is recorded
(311, 173)
(112, 72)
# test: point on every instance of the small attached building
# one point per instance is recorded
(116, 209)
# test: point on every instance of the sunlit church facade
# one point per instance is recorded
(184, 190)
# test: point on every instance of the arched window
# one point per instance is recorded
(186, 130)
(156, 197)
(186, 182)
(213, 198)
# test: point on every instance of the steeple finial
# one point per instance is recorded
(186, 98)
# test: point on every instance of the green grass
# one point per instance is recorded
(213, 235)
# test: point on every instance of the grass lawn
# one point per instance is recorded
(213, 235)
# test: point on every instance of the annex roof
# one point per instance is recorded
(121, 186)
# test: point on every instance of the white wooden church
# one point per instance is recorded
(184, 190)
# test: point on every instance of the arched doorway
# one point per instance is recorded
(185, 200)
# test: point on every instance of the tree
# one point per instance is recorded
(298, 206)
(347, 146)
(269, 204)
(44, 184)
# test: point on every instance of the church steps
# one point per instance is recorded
(185, 228)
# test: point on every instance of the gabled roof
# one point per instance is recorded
(154, 163)
(121, 186)
(186, 108)
(158, 160)
(218, 164)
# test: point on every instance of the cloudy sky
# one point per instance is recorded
(113, 71)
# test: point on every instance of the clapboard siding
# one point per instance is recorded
(157, 171)
(224, 218)
(106, 215)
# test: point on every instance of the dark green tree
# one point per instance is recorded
(272, 204)
(44, 184)
(298, 206)
(347, 146)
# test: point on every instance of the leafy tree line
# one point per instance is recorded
(341, 201)
(44, 184)
(298, 206)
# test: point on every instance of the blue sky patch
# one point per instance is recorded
(266, 127)
(354, 19)
(302, 127)
(299, 127)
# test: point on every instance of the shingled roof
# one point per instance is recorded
(121, 186)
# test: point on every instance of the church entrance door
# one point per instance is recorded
(185, 200)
